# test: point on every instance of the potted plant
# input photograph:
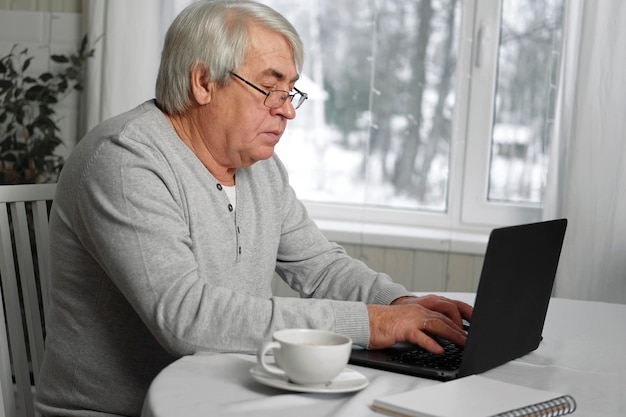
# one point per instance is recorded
(29, 134)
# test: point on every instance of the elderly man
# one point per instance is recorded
(170, 220)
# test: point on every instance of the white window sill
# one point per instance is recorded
(405, 237)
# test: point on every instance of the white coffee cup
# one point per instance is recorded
(306, 356)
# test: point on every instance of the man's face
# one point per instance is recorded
(240, 125)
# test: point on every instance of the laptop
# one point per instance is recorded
(512, 299)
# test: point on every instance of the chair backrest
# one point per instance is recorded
(24, 258)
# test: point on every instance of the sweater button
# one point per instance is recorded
(230, 207)
(219, 187)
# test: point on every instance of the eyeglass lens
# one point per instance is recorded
(277, 98)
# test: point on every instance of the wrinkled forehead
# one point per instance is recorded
(270, 54)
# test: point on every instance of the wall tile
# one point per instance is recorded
(65, 28)
(23, 27)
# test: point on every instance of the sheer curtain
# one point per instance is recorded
(588, 172)
(128, 38)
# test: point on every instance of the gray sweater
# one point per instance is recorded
(149, 263)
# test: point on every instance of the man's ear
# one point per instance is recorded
(201, 90)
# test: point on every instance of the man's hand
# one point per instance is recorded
(416, 319)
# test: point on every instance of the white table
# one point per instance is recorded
(582, 354)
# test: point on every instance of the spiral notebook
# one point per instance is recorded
(475, 396)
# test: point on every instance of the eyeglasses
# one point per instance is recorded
(276, 98)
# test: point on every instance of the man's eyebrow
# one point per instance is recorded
(271, 72)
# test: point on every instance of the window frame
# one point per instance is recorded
(476, 208)
(465, 225)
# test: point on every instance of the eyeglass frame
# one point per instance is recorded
(303, 96)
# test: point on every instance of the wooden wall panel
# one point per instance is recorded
(462, 273)
(67, 6)
(429, 271)
(422, 271)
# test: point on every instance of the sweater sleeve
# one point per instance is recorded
(317, 268)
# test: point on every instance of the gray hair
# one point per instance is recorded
(214, 35)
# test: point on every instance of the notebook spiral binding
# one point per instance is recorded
(553, 408)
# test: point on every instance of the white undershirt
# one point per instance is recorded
(231, 193)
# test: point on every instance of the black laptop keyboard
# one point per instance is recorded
(447, 361)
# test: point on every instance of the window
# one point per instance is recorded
(423, 113)
(515, 66)
(422, 109)
(375, 134)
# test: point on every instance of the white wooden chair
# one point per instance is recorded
(24, 258)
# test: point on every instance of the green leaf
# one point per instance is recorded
(5, 85)
(63, 85)
(45, 110)
(45, 76)
(35, 92)
(26, 64)
(10, 67)
(61, 59)
(50, 99)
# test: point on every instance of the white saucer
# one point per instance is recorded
(347, 381)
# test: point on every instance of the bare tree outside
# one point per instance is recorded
(381, 79)
(528, 62)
